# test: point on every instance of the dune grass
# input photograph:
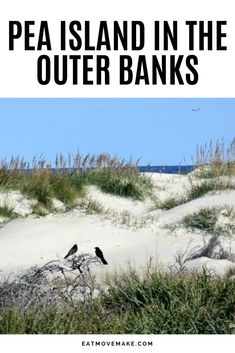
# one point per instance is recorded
(201, 189)
(90, 206)
(7, 212)
(216, 164)
(195, 191)
(67, 179)
(215, 159)
(157, 304)
(207, 219)
(131, 185)
(170, 203)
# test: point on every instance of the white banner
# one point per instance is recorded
(117, 343)
(117, 49)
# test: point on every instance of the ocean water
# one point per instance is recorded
(168, 169)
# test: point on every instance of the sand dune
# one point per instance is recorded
(212, 199)
(31, 241)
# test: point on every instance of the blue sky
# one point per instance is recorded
(160, 131)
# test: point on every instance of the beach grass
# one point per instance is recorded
(201, 189)
(90, 206)
(7, 212)
(205, 219)
(214, 170)
(208, 219)
(214, 160)
(130, 184)
(67, 179)
(156, 303)
(153, 303)
(170, 203)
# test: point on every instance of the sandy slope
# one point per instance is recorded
(218, 198)
(31, 241)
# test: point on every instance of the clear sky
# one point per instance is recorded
(160, 131)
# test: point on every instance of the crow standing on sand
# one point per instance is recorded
(99, 254)
(72, 251)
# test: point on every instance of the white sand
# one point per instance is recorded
(218, 198)
(31, 241)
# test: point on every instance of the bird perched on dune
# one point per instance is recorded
(72, 251)
(100, 255)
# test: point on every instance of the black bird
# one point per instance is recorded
(196, 110)
(99, 254)
(72, 251)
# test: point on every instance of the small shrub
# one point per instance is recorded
(214, 220)
(62, 189)
(7, 212)
(205, 219)
(199, 190)
(202, 189)
(40, 210)
(38, 187)
(170, 203)
(91, 206)
(68, 179)
(154, 303)
(122, 184)
(215, 160)
(163, 303)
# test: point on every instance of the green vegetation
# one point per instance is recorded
(67, 181)
(90, 206)
(214, 163)
(170, 203)
(207, 219)
(158, 304)
(216, 160)
(194, 192)
(40, 210)
(203, 188)
(152, 303)
(130, 184)
(126, 220)
(204, 219)
(7, 212)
